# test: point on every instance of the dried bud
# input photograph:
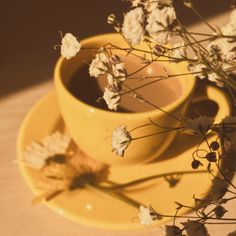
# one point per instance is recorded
(219, 211)
(196, 164)
(111, 19)
(214, 146)
(187, 3)
(211, 157)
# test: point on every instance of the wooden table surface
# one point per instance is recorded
(17, 216)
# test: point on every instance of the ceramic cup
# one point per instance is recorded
(91, 128)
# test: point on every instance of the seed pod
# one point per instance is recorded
(211, 157)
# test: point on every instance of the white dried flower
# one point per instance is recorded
(120, 140)
(230, 28)
(112, 98)
(119, 71)
(151, 5)
(179, 51)
(135, 3)
(199, 125)
(38, 152)
(198, 69)
(146, 215)
(99, 65)
(213, 77)
(223, 49)
(69, 46)
(159, 23)
(132, 28)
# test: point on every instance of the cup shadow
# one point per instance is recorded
(183, 142)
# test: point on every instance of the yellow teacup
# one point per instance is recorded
(92, 128)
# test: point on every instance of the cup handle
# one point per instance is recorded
(213, 94)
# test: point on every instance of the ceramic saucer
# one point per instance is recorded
(97, 209)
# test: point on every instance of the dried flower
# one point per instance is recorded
(199, 125)
(160, 23)
(69, 46)
(120, 140)
(172, 230)
(37, 153)
(222, 49)
(199, 70)
(230, 28)
(151, 5)
(178, 51)
(119, 72)
(132, 28)
(112, 98)
(213, 77)
(195, 228)
(135, 3)
(99, 65)
(147, 215)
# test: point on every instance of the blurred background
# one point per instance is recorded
(30, 29)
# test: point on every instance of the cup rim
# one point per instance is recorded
(169, 107)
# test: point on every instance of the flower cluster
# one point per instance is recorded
(153, 20)
(113, 67)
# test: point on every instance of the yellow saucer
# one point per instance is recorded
(97, 209)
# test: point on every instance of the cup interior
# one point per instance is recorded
(167, 94)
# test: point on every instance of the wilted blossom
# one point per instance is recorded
(111, 98)
(37, 153)
(199, 125)
(69, 46)
(133, 29)
(160, 23)
(121, 139)
(99, 65)
(195, 228)
(147, 215)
